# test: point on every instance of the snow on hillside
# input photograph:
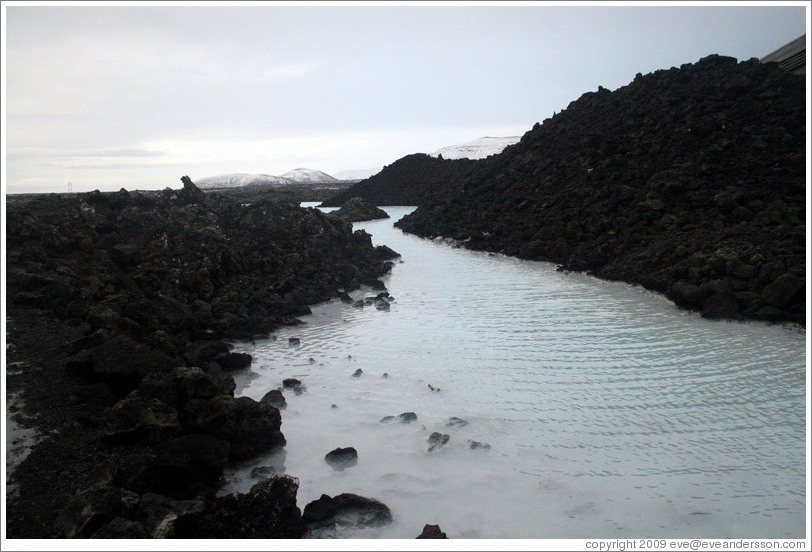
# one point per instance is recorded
(308, 175)
(357, 174)
(478, 149)
(241, 179)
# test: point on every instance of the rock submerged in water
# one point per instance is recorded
(437, 440)
(295, 384)
(342, 458)
(456, 422)
(357, 373)
(351, 508)
(407, 417)
(263, 472)
(403, 418)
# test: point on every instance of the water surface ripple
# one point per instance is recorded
(609, 412)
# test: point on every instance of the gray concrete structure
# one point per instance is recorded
(790, 57)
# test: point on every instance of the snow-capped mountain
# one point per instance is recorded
(478, 149)
(357, 174)
(308, 175)
(241, 179)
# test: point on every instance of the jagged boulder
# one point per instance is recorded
(122, 363)
(92, 508)
(186, 465)
(160, 514)
(432, 532)
(275, 398)
(267, 511)
(257, 429)
(136, 419)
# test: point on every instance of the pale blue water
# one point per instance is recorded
(610, 413)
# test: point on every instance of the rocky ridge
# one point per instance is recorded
(688, 181)
(145, 291)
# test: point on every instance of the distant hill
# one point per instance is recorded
(408, 181)
(357, 174)
(308, 175)
(237, 180)
(413, 178)
(478, 149)
(294, 177)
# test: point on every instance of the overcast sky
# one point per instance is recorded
(106, 97)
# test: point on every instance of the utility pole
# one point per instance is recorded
(70, 187)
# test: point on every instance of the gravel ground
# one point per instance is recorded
(50, 455)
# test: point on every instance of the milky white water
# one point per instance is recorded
(609, 412)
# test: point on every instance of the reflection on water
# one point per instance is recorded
(609, 412)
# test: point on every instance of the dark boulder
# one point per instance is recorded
(342, 458)
(267, 511)
(685, 295)
(92, 508)
(296, 385)
(234, 361)
(190, 193)
(366, 511)
(216, 416)
(357, 373)
(185, 465)
(160, 514)
(721, 306)
(201, 352)
(136, 419)
(275, 398)
(432, 532)
(345, 298)
(257, 429)
(290, 383)
(785, 290)
(123, 362)
(181, 384)
(121, 528)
